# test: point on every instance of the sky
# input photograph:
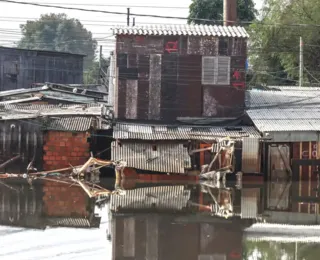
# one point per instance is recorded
(12, 15)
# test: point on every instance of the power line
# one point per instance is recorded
(152, 15)
(115, 5)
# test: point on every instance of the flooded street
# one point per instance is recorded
(203, 221)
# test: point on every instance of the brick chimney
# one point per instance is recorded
(229, 12)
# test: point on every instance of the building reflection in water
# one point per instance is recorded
(206, 221)
(45, 203)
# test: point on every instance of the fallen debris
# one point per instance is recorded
(73, 175)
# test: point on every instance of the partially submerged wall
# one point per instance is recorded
(64, 148)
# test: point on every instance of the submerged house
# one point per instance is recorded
(288, 119)
(52, 136)
(178, 89)
(20, 68)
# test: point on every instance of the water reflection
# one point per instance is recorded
(204, 221)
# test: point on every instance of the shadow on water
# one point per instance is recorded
(165, 220)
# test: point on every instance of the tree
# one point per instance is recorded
(57, 32)
(274, 48)
(213, 10)
(93, 75)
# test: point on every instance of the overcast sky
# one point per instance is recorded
(11, 15)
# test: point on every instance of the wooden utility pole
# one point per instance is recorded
(229, 12)
(133, 21)
(100, 64)
(128, 16)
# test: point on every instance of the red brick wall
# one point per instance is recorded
(61, 200)
(64, 148)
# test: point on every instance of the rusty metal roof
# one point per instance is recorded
(170, 158)
(160, 198)
(179, 132)
(74, 123)
(182, 29)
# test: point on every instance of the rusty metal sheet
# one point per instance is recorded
(189, 90)
(251, 155)
(194, 45)
(155, 87)
(122, 91)
(140, 45)
(169, 87)
(209, 46)
(238, 47)
(229, 102)
(206, 45)
(143, 97)
(132, 60)
(132, 99)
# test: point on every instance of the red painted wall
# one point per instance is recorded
(64, 148)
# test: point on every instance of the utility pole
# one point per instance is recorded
(301, 63)
(128, 16)
(133, 21)
(100, 63)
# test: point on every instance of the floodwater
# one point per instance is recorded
(155, 221)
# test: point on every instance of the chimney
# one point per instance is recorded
(229, 12)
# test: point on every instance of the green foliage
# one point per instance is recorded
(92, 76)
(213, 10)
(274, 48)
(57, 32)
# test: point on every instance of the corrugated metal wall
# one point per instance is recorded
(171, 158)
(20, 208)
(20, 68)
(250, 199)
(24, 138)
(308, 181)
(251, 155)
(169, 80)
(162, 197)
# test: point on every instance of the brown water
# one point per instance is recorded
(200, 221)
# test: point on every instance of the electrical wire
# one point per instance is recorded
(153, 15)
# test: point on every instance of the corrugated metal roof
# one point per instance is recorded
(174, 132)
(282, 238)
(279, 120)
(69, 222)
(14, 111)
(162, 197)
(171, 158)
(75, 123)
(285, 98)
(183, 29)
